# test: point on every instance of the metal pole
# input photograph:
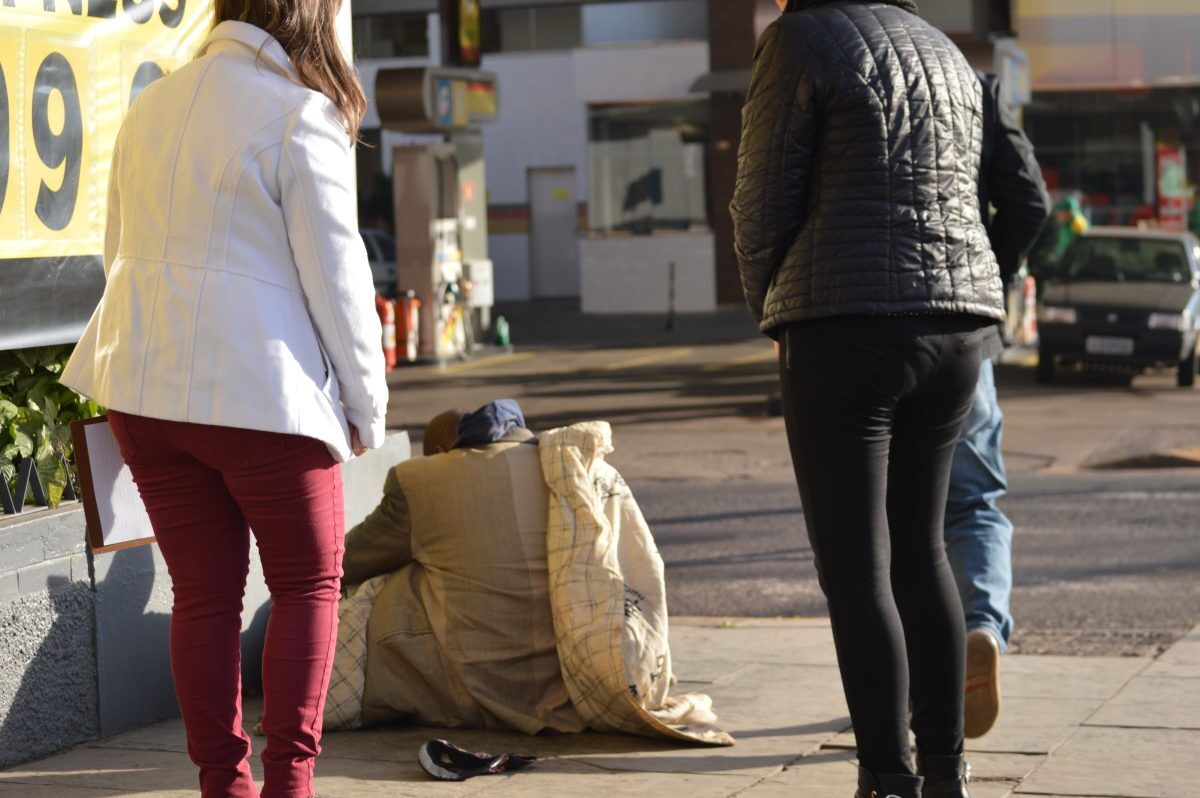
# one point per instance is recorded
(671, 296)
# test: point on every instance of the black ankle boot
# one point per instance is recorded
(887, 785)
(945, 776)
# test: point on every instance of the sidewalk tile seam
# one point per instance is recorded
(102, 746)
(589, 763)
(1140, 727)
(769, 663)
(747, 790)
(57, 786)
(1147, 662)
(778, 772)
(653, 771)
(735, 674)
(1047, 756)
(1019, 792)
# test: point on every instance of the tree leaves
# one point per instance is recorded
(36, 412)
(50, 468)
(18, 433)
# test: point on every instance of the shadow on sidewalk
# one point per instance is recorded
(563, 324)
(830, 726)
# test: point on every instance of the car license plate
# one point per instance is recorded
(1107, 345)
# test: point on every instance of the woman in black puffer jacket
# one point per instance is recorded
(863, 254)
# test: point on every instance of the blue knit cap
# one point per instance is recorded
(489, 424)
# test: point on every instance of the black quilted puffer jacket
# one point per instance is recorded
(856, 189)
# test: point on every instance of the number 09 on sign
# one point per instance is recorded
(59, 113)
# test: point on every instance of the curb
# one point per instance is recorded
(1172, 458)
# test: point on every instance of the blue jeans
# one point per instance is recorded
(978, 534)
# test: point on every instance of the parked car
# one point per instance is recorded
(1122, 297)
(381, 251)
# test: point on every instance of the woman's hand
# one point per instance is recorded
(356, 445)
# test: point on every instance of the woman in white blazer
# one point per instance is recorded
(238, 352)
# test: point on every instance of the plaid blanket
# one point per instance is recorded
(343, 702)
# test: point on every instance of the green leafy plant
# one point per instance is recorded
(36, 412)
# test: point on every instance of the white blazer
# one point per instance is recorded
(239, 292)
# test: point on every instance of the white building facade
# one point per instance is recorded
(596, 163)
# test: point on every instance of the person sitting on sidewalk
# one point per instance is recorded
(459, 614)
(978, 534)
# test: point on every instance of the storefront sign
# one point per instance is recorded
(69, 70)
(470, 37)
(461, 32)
(1173, 194)
(416, 99)
(1012, 68)
(443, 102)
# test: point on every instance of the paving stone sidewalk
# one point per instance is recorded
(1097, 727)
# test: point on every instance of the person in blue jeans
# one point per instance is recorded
(978, 535)
(979, 546)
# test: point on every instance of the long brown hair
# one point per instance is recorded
(307, 29)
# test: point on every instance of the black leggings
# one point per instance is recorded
(874, 405)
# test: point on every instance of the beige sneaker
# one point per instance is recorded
(982, 704)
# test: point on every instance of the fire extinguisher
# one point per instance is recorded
(387, 317)
(408, 309)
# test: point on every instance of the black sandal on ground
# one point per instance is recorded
(445, 761)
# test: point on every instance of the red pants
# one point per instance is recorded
(205, 487)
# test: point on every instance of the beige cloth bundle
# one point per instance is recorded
(608, 597)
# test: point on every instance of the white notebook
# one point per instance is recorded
(115, 513)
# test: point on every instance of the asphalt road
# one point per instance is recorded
(1106, 562)
(1103, 562)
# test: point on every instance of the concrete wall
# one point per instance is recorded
(83, 639)
(640, 72)
(48, 673)
(511, 250)
(630, 274)
(541, 123)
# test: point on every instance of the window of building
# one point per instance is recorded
(994, 18)
(1107, 148)
(645, 21)
(509, 30)
(391, 36)
(647, 167)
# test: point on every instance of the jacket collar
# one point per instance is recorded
(514, 435)
(232, 34)
(802, 5)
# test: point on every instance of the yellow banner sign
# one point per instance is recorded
(69, 70)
